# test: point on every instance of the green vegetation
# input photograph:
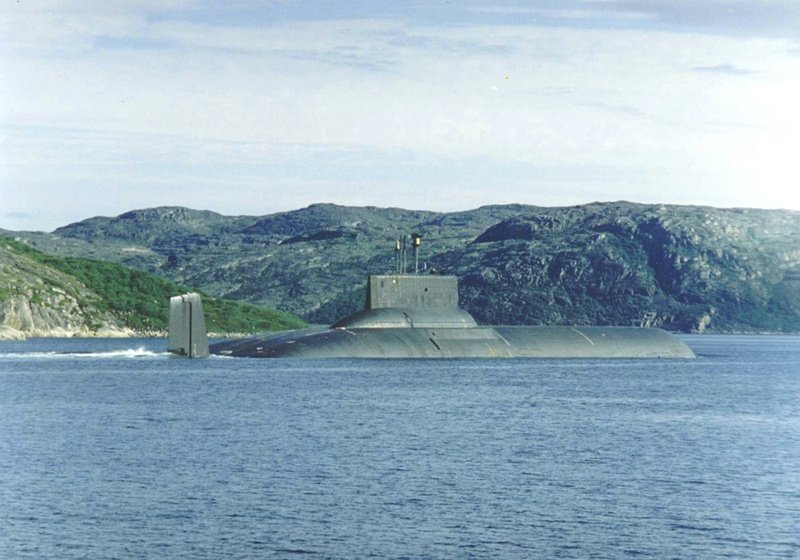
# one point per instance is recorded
(685, 268)
(141, 300)
(225, 316)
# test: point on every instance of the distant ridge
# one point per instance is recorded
(684, 268)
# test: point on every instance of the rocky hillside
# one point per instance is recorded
(678, 267)
(38, 300)
(42, 295)
(686, 269)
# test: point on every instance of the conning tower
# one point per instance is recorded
(428, 301)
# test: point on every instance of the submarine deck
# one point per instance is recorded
(477, 342)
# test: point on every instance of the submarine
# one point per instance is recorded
(417, 316)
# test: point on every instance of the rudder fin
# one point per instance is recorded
(187, 326)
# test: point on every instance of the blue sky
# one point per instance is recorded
(256, 107)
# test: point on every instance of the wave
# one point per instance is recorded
(140, 352)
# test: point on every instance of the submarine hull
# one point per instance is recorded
(477, 342)
(418, 317)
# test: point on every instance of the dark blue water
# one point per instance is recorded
(130, 454)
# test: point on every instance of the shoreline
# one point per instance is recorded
(9, 335)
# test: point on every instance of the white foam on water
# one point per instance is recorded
(140, 352)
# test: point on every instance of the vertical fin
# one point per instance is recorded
(187, 327)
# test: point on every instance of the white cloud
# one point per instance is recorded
(121, 100)
(587, 11)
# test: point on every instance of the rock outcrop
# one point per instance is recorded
(40, 301)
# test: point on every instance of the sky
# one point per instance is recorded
(254, 107)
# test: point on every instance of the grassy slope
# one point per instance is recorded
(141, 299)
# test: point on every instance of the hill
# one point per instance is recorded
(43, 295)
(678, 267)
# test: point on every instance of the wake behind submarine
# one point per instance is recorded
(417, 316)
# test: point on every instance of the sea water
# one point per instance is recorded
(111, 449)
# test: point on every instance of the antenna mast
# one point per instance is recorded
(403, 256)
(415, 241)
(400, 252)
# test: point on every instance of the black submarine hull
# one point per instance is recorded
(477, 342)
